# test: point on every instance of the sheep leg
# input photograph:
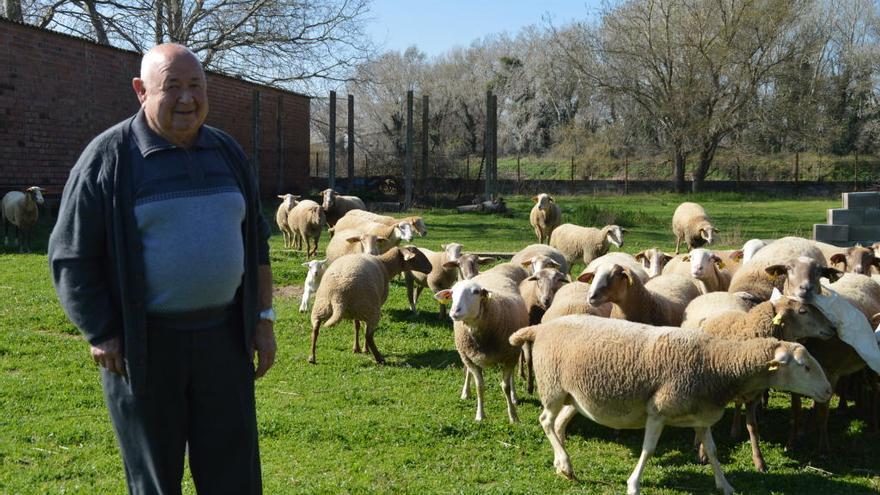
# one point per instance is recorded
(441, 312)
(702, 458)
(315, 327)
(477, 373)
(653, 429)
(466, 389)
(529, 367)
(752, 426)
(509, 394)
(560, 456)
(410, 292)
(562, 420)
(539, 236)
(304, 303)
(736, 423)
(677, 243)
(720, 481)
(822, 410)
(371, 344)
(794, 428)
(357, 337)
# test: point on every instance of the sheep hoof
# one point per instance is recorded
(760, 466)
(564, 469)
(356, 350)
(312, 359)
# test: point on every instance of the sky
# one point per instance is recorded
(437, 26)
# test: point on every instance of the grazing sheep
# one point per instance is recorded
(288, 201)
(706, 268)
(305, 221)
(573, 299)
(313, 280)
(691, 224)
(336, 205)
(417, 223)
(443, 274)
(629, 375)
(487, 310)
(797, 258)
(20, 209)
(535, 257)
(585, 243)
(544, 217)
(653, 260)
(659, 302)
(856, 259)
(714, 303)
(353, 241)
(625, 260)
(355, 287)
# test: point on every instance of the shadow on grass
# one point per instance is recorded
(434, 359)
(424, 317)
(760, 483)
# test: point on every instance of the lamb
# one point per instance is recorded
(288, 201)
(653, 260)
(544, 217)
(305, 221)
(486, 310)
(353, 241)
(20, 209)
(585, 243)
(443, 274)
(573, 299)
(704, 266)
(355, 287)
(417, 223)
(336, 205)
(625, 260)
(313, 280)
(712, 304)
(535, 257)
(691, 224)
(798, 258)
(856, 259)
(659, 302)
(629, 375)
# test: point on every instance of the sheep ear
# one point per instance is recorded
(667, 258)
(686, 257)
(586, 277)
(451, 264)
(629, 276)
(718, 261)
(775, 296)
(381, 238)
(483, 260)
(354, 239)
(305, 264)
(444, 296)
(737, 255)
(624, 231)
(839, 258)
(776, 270)
(831, 274)
(534, 199)
(408, 253)
(527, 263)
(533, 278)
(486, 294)
(443, 246)
(551, 199)
(640, 256)
(876, 263)
(553, 263)
(280, 196)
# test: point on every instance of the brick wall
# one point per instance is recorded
(57, 92)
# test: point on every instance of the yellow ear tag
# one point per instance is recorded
(773, 367)
(777, 320)
(720, 265)
(488, 296)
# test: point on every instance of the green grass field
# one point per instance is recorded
(347, 425)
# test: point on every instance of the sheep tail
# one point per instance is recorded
(335, 317)
(523, 335)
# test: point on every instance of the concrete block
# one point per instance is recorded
(861, 200)
(832, 234)
(840, 216)
(872, 216)
(867, 234)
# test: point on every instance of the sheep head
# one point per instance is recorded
(543, 200)
(370, 244)
(405, 231)
(608, 283)
(614, 235)
(548, 281)
(802, 277)
(418, 224)
(703, 263)
(414, 260)
(288, 200)
(539, 262)
(329, 196)
(653, 260)
(795, 370)
(707, 232)
(452, 250)
(798, 320)
(468, 265)
(465, 300)
(857, 259)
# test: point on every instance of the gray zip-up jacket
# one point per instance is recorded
(95, 248)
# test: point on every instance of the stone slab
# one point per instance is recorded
(865, 233)
(872, 216)
(842, 216)
(861, 200)
(832, 234)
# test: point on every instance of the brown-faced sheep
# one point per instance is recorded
(585, 243)
(659, 302)
(798, 259)
(856, 259)
(544, 217)
(487, 310)
(628, 375)
(306, 221)
(691, 224)
(355, 287)
(21, 211)
(535, 257)
(336, 205)
(653, 260)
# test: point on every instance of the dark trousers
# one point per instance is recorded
(200, 395)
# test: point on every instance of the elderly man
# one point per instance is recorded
(160, 257)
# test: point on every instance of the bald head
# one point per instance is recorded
(172, 92)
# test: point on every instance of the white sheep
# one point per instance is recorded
(352, 218)
(313, 280)
(625, 260)
(691, 224)
(306, 221)
(710, 305)
(535, 257)
(653, 260)
(355, 287)
(21, 210)
(585, 243)
(705, 267)
(544, 217)
(798, 259)
(659, 302)
(751, 247)
(627, 375)
(573, 299)
(288, 201)
(353, 241)
(336, 205)
(487, 310)
(443, 274)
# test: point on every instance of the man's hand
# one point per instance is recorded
(265, 346)
(109, 355)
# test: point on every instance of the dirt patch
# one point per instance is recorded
(288, 292)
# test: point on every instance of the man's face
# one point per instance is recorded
(174, 97)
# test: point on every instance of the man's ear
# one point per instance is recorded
(140, 89)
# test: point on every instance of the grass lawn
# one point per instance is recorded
(347, 425)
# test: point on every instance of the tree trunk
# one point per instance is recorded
(707, 155)
(97, 23)
(679, 170)
(12, 10)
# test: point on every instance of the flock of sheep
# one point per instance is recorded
(638, 341)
